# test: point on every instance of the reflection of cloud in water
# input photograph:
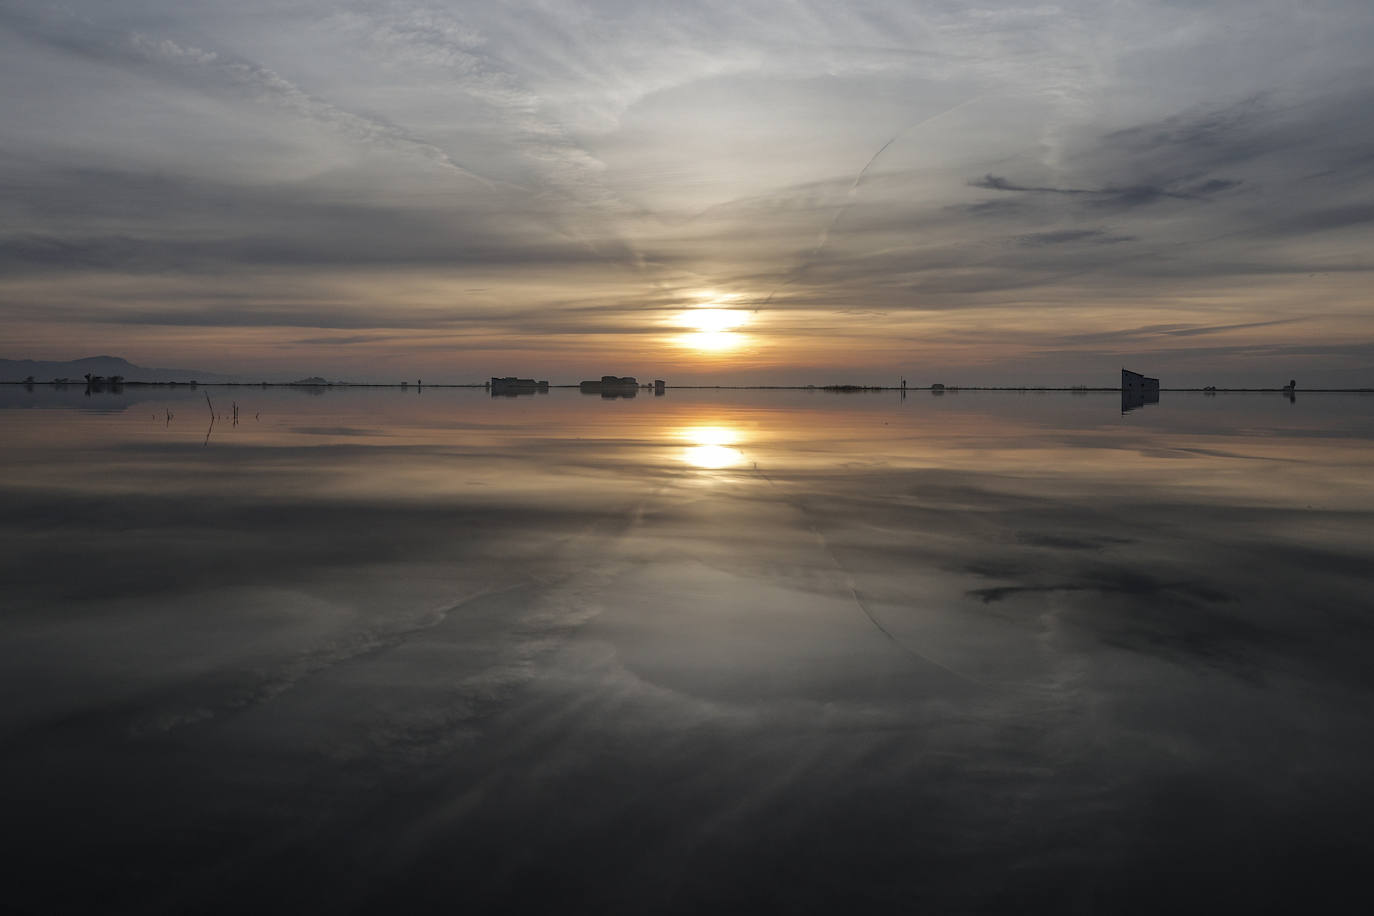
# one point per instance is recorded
(511, 643)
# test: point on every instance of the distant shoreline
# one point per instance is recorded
(830, 389)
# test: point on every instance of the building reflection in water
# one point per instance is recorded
(1131, 400)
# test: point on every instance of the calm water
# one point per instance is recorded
(385, 651)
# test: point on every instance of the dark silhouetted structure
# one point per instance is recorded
(659, 386)
(1137, 390)
(1137, 383)
(511, 387)
(612, 386)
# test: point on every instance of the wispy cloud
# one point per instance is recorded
(374, 165)
(1114, 196)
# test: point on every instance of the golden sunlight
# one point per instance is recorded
(712, 447)
(713, 320)
(712, 328)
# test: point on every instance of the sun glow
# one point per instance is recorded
(712, 448)
(713, 320)
(712, 328)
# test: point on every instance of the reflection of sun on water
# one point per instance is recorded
(712, 447)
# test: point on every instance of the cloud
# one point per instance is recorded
(558, 153)
(1113, 196)
(1070, 236)
(347, 341)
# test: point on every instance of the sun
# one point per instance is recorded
(711, 320)
(712, 328)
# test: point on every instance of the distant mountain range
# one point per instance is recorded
(16, 370)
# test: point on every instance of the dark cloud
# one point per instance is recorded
(1214, 186)
(1070, 236)
(347, 341)
(1111, 196)
(1320, 220)
(134, 255)
(1147, 332)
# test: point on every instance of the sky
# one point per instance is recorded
(708, 192)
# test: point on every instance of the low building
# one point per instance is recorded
(1137, 390)
(610, 382)
(510, 386)
(612, 386)
(1135, 382)
(511, 381)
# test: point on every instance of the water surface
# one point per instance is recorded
(373, 650)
